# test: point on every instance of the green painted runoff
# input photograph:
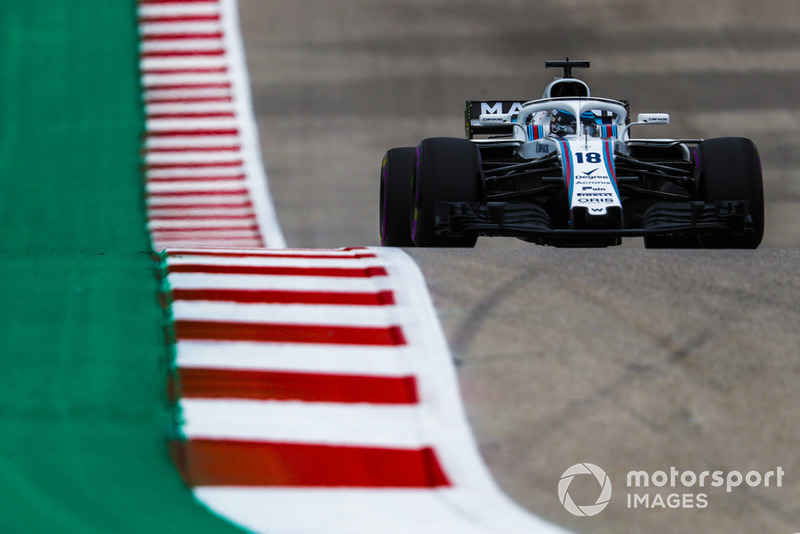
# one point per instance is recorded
(83, 416)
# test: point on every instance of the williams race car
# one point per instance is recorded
(564, 171)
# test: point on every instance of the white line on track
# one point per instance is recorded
(182, 62)
(167, 8)
(185, 93)
(193, 157)
(158, 214)
(312, 253)
(277, 261)
(195, 45)
(149, 80)
(288, 283)
(186, 141)
(156, 225)
(286, 314)
(319, 423)
(197, 187)
(369, 510)
(244, 242)
(161, 28)
(197, 200)
(294, 357)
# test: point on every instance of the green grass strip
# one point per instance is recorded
(83, 417)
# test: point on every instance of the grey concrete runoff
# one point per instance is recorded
(673, 362)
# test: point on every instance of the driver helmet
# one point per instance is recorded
(590, 123)
(562, 123)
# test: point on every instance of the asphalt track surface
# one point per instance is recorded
(625, 358)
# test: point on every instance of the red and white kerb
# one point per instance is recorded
(204, 176)
(315, 389)
(317, 393)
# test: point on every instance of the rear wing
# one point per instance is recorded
(504, 108)
(476, 108)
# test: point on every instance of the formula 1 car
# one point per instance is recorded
(564, 171)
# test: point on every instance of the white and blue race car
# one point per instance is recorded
(564, 171)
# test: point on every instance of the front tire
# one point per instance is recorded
(397, 197)
(730, 169)
(447, 170)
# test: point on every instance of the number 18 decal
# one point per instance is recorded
(591, 157)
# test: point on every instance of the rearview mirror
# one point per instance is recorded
(653, 118)
(645, 118)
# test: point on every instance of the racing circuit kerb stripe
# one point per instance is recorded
(284, 454)
(213, 462)
(204, 178)
(314, 389)
(308, 387)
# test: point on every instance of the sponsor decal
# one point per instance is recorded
(584, 163)
(500, 108)
(488, 108)
(608, 201)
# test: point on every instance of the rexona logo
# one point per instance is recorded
(584, 469)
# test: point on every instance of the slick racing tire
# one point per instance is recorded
(397, 197)
(447, 170)
(730, 169)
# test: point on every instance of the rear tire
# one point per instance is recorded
(730, 169)
(397, 197)
(448, 169)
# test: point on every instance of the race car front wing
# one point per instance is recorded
(530, 221)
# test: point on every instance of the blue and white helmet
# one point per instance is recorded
(563, 123)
